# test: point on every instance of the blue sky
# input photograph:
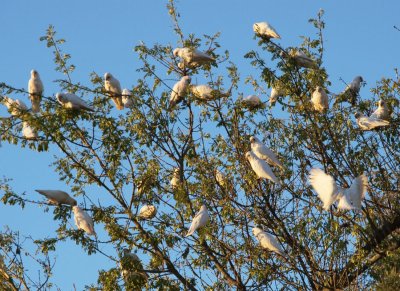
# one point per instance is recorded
(359, 40)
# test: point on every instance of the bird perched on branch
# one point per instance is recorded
(179, 91)
(72, 101)
(265, 30)
(382, 112)
(193, 57)
(264, 153)
(319, 99)
(368, 123)
(83, 220)
(201, 219)
(113, 87)
(58, 197)
(15, 107)
(261, 168)
(351, 93)
(35, 90)
(268, 241)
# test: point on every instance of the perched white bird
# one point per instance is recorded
(192, 56)
(35, 90)
(382, 112)
(176, 179)
(368, 123)
(351, 92)
(201, 219)
(147, 212)
(72, 101)
(220, 178)
(302, 60)
(268, 241)
(253, 101)
(275, 94)
(15, 107)
(83, 220)
(261, 168)
(179, 91)
(319, 99)
(58, 197)
(202, 92)
(205, 92)
(264, 153)
(329, 192)
(113, 87)
(28, 132)
(264, 29)
(127, 98)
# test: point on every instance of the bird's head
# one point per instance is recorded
(319, 89)
(34, 74)
(357, 115)
(381, 103)
(253, 139)
(256, 231)
(107, 76)
(74, 203)
(186, 79)
(75, 209)
(176, 51)
(60, 97)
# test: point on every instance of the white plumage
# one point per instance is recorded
(202, 92)
(127, 98)
(368, 123)
(72, 101)
(382, 112)
(261, 168)
(176, 179)
(15, 107)
(268, 241)
(35, 90)
(329, 192)
(58, 197)
(83, 220)
(220, 178)
(264, 29)
(275, 94)
(320, 99)
(28, 132)
(264, 153)
(179, 91)
(201, 219)
(355, 85)
(302, 60)
(113, 87)
(351, 198)
(192, 56)
(325, 186)
(253, 101)
(147, 212)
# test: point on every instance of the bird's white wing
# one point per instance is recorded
(353, 196)
(199, 220)
(78, 102)
(268, 241)
(370, 123)
(263, 170)
(265, 153)
(325, 187)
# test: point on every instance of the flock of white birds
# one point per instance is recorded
(260, 157)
